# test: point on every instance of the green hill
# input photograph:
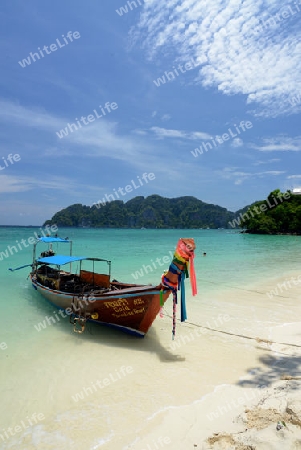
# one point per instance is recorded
(150, 212)
(280, 213)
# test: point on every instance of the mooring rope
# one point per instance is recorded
(243, 336)
(242, 289)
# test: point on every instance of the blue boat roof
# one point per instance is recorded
(50, 239)
(60, 260)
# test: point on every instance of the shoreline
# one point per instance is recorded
(270, 234)
(231, 418)
(248, 413)
(176, 386)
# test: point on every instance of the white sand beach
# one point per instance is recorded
(258, 409)
(218, 385)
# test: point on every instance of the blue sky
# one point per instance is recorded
(243, 64)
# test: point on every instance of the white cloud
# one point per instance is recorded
(100, 138)
(269, 161)
(12, 183)
(13, 113)
(200, 135)
(9, 183)
(231, 173)
(294, 176)
(237, 142)
(280, 143)
(163, 132)
(229, 169)
(223, 36)
(272, 172)
(140, 132)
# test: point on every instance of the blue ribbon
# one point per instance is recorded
(181, 286)
(183, 301)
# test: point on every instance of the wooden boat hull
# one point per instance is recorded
(132, 309)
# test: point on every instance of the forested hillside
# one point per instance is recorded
(150, 212)
(280, 213)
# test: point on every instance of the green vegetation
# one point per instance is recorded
(279, 214)
(150, 212)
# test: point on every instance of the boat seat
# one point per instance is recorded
(95, 279)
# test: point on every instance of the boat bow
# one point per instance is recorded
(181, 267)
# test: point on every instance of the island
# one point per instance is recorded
(280, 213)
(150, 212)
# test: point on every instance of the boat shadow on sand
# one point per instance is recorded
(100, 334)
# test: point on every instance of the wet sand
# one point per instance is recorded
(255, 399)
(113, 391)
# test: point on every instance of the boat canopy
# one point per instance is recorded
(50, 239)
(60, 260)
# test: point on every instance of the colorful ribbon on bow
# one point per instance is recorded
(179, 266)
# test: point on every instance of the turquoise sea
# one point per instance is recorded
(40, 371)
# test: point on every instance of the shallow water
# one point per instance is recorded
(97, 390)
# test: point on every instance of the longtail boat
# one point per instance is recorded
(92, 296)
